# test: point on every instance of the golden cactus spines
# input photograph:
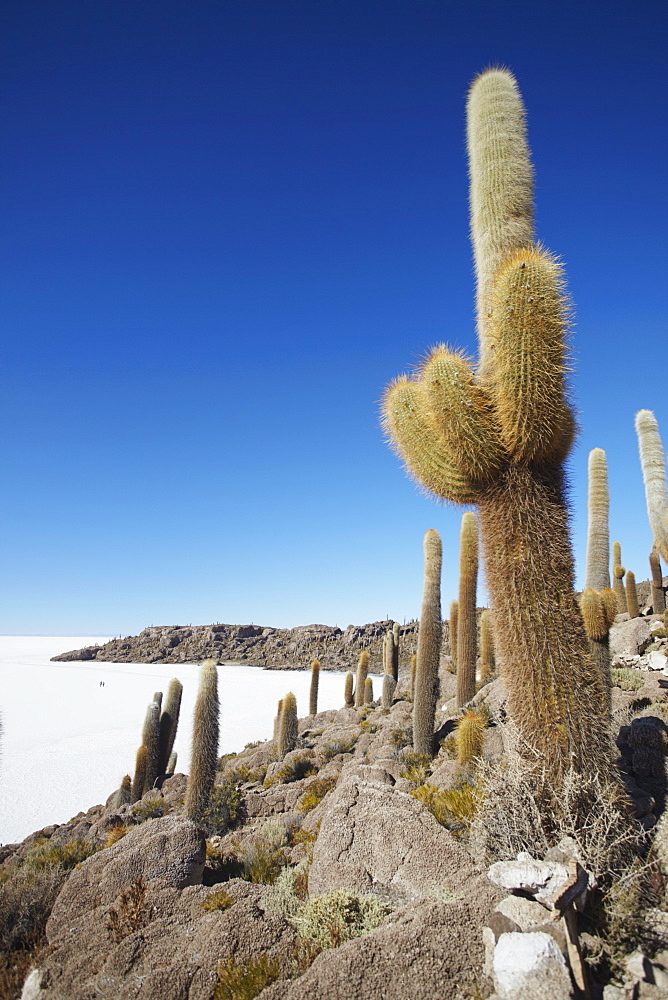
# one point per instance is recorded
(362, 670)
(452, 631)
(501, 183)
(313, 692)
(429, 647)
(598, 536)
(139, 780)
(653, 462)
(287, 726)
(469, 737)
(609, 599)
(466, 625)
(348, 696)
(598, 613)
(631, 594)
(658, 596)
(420, 445)
(204, 755)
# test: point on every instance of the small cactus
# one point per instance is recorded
(429, 647)
(287, 726)
(139, 780)
(151, 740)
(389, 684)
(466, 625)
(632, 594)
(124, 793)
(368, 690)
(618, 572)
(599, 609)
(157, 698)
(204, 757)
(169, 721)
(658, 595)
(598, 538)
(653, 462)
(395, 651)
(487, 658)
(469, 737)
(313, 693)
(362, 670)
(348, 696)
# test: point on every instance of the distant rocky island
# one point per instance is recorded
(272, 648)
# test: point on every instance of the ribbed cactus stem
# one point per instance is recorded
(653, 462)
(139, 780)
(395, 651)
(313, 693)
(631, 594)
(388, 653)
(169, 721)
(157, 698)
(277, 719)
(429, 647)
(151, 740)
(452, 631)
(658, 595)
(618, 572)
(348, 696)
(469, 737)
(413, 671)
(598, 613)
(467, 627)
(487, 658)
(171, 763)
(362, 670)
(598, 537)
(287, 726)
(389, 684)
(204, 756)
(368, 690)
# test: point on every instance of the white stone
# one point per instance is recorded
(541, 878)
(656, 660)
(530, 965)
(525, 912)
(32, 986)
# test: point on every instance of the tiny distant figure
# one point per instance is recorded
(101, 684)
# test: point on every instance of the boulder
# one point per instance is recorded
(632, 636)
(376, 839)
(530, 967)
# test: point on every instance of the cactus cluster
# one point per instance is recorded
(362, 670)
(497, 436)
(158, 735)
(429, 647)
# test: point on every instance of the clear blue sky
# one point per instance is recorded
(227, 226)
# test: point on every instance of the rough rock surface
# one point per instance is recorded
(530, 967)
(376, 839)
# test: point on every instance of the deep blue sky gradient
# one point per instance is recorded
(227, 226)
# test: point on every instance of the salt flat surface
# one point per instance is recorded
(66, 740)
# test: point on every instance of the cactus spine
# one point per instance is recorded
(487, 658)
(658, 596)
(466, 626)
(452, 632)
(653, 465)
(169, 721)
(139, 780)
(348, 697)
(598, 537)
(469, 738)
(204, 757)
(151, 740)
(313, 693)
(598, 613)
(632, 595)
(618, 572)
(429, 647)
(498, 437)
(389, 684)
(287, 726)
(368, 690)
(362, 669)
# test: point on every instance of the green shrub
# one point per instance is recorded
(417, 766)
(218, 901)
(26, 900)
(245, 980)
(626, 678)
(289, 892)
(332, 748)
(316, 792)
(152, 807)
(402, 736)
(224, 809)
(333, 918)
(43, 854)
(293, 770)
(454, 808)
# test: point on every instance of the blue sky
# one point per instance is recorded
(227, 226)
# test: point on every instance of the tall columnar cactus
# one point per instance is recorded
(389, 684)
(368, 690)
(169, 721)
(631, 594)
(204, 757)
(362, 670)
(653, 464)
(313, 693)
(452, 631)
(598, 536)
(429, 647)
(487, 657)
(618, 572)
(658, 596)
(469, 737)
(287, 726)
(413, 671)
(598, 612)
(277, 719)
(395, 651)
(139, 780)
(467, 627)
(348, 696)
(388, 653)
(151, 740)
(497, 436)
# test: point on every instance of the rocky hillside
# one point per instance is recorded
(273, 648)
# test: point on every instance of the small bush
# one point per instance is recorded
(402, 736)
(245, 980)
(417, 766)
(224, 809)
(300, 836)
(333, 918)
(293, 770)
(43, 854)
(332, 748)
(316, 792)
(626, 678)
(288, 893)
(131, 914)
(218, 901)
(26, 900)
(454, 808)
(152, 807)
(115, 834)
(262, 863)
